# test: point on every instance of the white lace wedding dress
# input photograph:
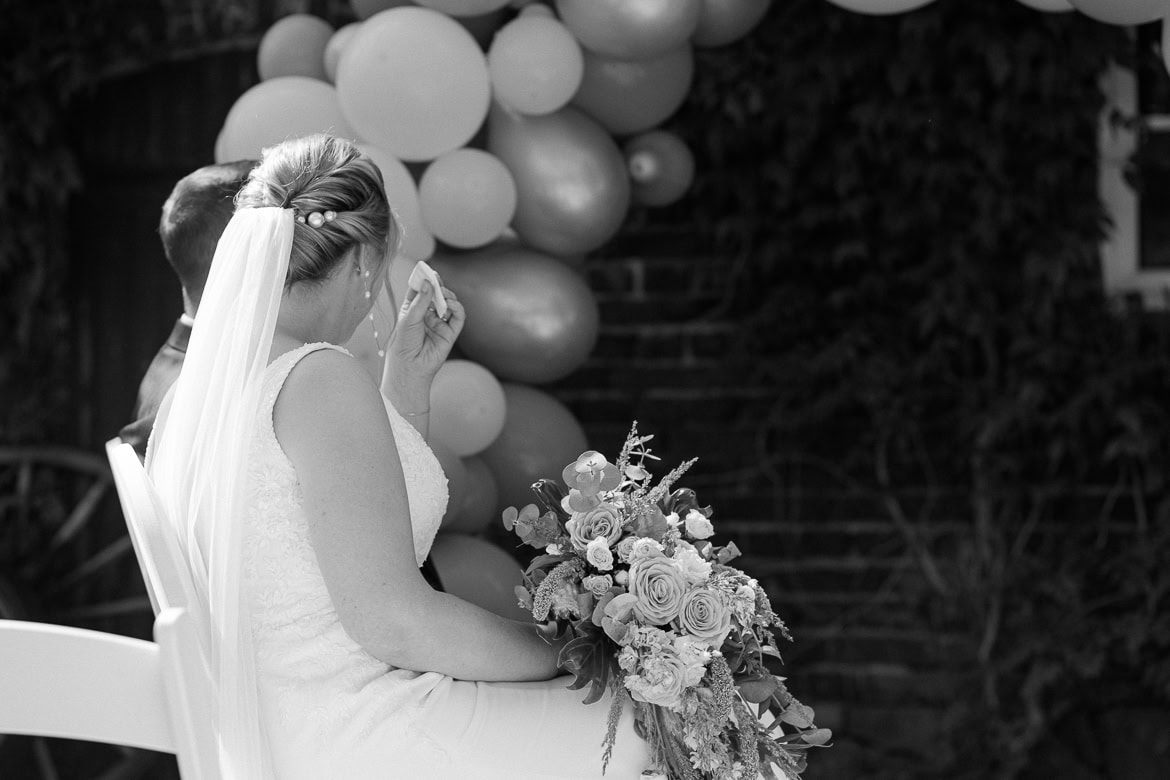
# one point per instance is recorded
(330, 710)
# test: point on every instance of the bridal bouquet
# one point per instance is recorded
(652, 611)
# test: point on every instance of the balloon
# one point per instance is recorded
(294, 46)
(467, 406)
(1051, 6)
(881, 7)
(535, 64)
(631, 96)
(540, 437)
(481, 500)
(1165, 44)
(364, 9)
(336, 46)
(464, 7)
(530, 318)
(278, 109)
(1126, 12)
(661, 167)
(414, 83)
(479, 572)
(533, 8)
(457, 481)
(724, 21)
(417, 242)
(630, 29)
(483, 27)
(572, 190)
(467, 198)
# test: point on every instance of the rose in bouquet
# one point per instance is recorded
(650, 610)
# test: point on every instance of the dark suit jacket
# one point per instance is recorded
(161, 374)
(159, 377)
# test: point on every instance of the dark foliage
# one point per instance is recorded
(909, 209)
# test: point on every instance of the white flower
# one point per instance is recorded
(694, 568)
(694, 655)
(673, 519)
(598, 554)
(621, 577)
(597, 584)
(564, 601)
(645, 548)
(698, 526)
(553, 549)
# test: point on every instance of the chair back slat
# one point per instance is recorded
(156, 545)
(59, 681)
(185, 641)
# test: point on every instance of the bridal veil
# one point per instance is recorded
(198, 460)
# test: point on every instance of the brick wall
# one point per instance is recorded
(836, 566)
(872, 652)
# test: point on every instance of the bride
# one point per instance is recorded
(305, 502)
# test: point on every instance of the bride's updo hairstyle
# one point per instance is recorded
(338, 196)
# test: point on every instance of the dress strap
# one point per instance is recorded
(275, 376)
(279, 369)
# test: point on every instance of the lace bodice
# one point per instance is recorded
(298, 637)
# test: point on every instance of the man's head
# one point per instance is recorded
(193, 219)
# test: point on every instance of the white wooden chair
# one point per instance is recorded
(60, 681)
(164, 570)
(168, 582)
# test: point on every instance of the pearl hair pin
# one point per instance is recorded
(316, 218)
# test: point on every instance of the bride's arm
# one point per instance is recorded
(330, 421)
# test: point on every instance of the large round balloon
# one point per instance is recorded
(479, 572)
(337, 43)
(571, 185)
(467, 406)
(540, 437)
(530, 318)
(417, 242)
(630, 29)
(629, 96)
(1125, 12)
(881, 7)
(294, 46)
(724, 21)
(535, 64)
(467, 198)
(276, 110)
(481, 499)
(414, 83)
(661, 167)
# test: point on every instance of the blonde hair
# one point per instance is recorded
(315, 174)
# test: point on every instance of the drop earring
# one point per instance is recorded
(373, 325)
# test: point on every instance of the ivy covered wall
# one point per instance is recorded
(906, 211)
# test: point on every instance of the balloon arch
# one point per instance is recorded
(513, 137)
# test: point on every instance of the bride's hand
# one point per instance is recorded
(419, 345)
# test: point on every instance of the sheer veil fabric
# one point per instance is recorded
(198, 459)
